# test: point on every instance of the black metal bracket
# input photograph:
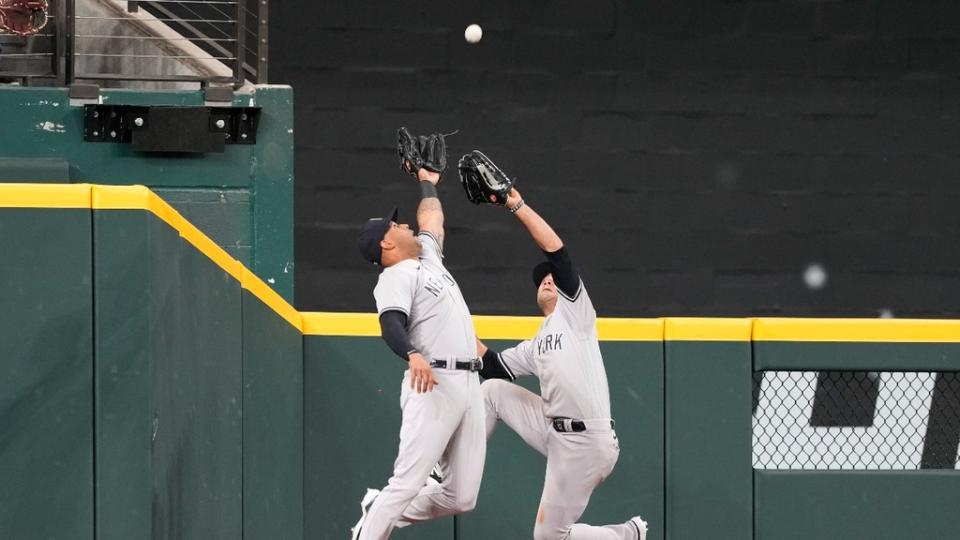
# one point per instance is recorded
(171, 129)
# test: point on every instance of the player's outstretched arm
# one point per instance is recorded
(430, 211)
(565, 276)
(541, 231)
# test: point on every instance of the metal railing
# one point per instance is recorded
(205, 41)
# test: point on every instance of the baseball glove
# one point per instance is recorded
(23, 17)
(483, 181)
(423, 152)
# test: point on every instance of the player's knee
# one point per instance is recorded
(466, 503)
(492, 390)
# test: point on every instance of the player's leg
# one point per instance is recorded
(428, 421)
(461, 465)
(517, 407)
(576, 464)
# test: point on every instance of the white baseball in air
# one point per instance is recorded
(473, 33)
(815, 277)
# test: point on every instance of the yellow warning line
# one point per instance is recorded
(17, 195)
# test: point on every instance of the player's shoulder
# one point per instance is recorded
(404, 268)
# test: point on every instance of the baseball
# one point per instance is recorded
(473, 33)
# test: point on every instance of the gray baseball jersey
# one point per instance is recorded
(444, 426)
(565, 356)
(439, 321)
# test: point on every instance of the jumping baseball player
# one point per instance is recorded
(424, 320)
(570, 422)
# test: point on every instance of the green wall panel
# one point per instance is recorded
(272, 425)
(857, 505)
(169, 385)
(513, 476)
(792, 355)
(46, 384)
(125, 367)
(273, 190)
(40, 123)
(708, 440)
(351, 433)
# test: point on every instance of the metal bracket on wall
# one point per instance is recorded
(171, 129)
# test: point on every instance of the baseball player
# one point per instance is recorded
(570, 422)
(424, 320)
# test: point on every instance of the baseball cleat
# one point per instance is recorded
(641, 527)
(365, 505)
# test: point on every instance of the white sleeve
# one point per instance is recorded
(431, 246)
(518, 360)
(578, 308)
(394, 291)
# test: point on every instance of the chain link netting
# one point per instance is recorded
(856, 420)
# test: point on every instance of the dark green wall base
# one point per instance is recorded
(849, 505)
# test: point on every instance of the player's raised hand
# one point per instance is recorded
(421, 376)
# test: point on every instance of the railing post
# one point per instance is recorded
(241, 49)
(263, 41)
(70, 42)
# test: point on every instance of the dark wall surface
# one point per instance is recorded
(695, 156)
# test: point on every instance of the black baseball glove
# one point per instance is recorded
(423, 152)
(483, 181)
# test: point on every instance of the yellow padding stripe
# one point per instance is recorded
(702, 329)
(44, 196)
(141, 198)
(487, 326)
(630, 329)
(274, 301)
(858, 330)
(340, 324)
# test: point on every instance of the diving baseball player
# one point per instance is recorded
(570, 422)
(424, 320)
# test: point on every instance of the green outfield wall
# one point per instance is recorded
(242, 198)
(151, 387)
(154, 387)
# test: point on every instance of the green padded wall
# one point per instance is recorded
(272, 425)
(709, 490)
(351, 433)
(169, 372)
(242, 198)
(513, 476)
(46, 375)
(857, 505)
(853, 505)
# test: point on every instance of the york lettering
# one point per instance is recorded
(550, 342)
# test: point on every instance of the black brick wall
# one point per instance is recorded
(695, 156)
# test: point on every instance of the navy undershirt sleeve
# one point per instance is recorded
(566, 277)
(393, 329)
(493, 367)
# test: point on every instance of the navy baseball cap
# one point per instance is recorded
(371, 233)
(540, 271)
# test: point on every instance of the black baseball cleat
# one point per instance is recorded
(365, 505)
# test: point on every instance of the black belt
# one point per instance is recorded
(470, 365)
(566, 425)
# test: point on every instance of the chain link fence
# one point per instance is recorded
(856, 420)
